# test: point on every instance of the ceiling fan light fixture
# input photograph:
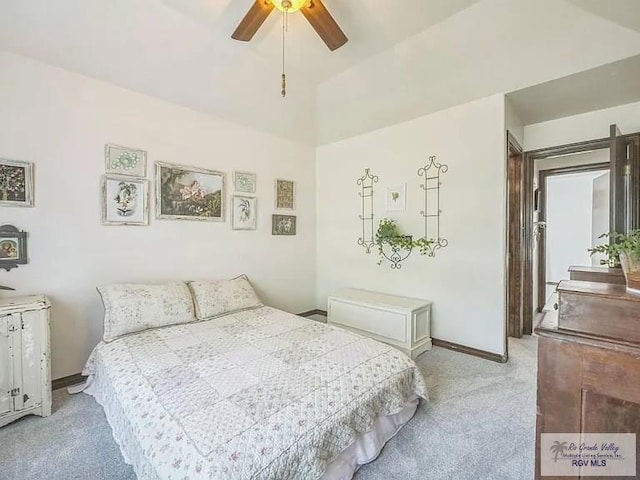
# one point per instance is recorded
(289, 6)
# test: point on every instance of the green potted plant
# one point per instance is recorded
(623, 250)
(389, 234)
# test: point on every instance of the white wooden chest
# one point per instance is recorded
(402, 322)
(25, 366)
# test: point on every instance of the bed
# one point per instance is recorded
(252, 394)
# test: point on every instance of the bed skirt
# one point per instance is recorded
(368, 446)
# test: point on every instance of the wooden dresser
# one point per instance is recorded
(589, 363)
(597, 274)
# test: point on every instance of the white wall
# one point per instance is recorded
(578, 128)
(466, 280)
(61, 122)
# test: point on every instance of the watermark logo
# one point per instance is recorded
(588, 454)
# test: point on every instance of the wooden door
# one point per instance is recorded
(625, 181)
(6, 366)
(515, 248)
(632, 172)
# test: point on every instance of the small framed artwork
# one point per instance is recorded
(244, 182)
(283, 225)
(244, 214)
(189, 193)
(125, 200)
(395, 199)
(16, 183)
(13, 247)
(285, 194)
(125, 161)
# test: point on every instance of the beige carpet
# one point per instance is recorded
(479, 424)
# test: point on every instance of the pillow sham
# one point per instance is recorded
(218, 297)
(131, 307)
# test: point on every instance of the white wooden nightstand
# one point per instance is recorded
(402, 322)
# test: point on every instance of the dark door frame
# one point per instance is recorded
(527, 215)
(542, 217)
(514, 285)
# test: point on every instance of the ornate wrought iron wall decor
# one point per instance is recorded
(366, 183)
(398, 254)
(431, 213)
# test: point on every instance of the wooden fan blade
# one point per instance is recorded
(324, 24)
(252, 21)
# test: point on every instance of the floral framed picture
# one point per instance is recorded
(13, 247)
(16, 183)
(285, 194)
(244, 214)
(125, 200)
(283, 225)
(125, 161)
(189, 193)
(244, 182)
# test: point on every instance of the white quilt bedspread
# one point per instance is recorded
(259, 394)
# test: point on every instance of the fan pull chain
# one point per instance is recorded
(284, 77)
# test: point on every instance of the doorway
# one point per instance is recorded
(526, 234)
(572, 212)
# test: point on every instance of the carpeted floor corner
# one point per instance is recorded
(478, 424)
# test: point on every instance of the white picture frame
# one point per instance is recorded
(125, 200)
(244, 182)
(396, 198)
(285, 194)
(244, 212)
(16, 183)
(127, 161)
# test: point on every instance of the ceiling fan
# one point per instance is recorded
(313, 10)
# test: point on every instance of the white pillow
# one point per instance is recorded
(218, 297)
(131, 307)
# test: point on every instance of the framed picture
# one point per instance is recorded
(16, 183)
(283, 225)
(395, 199)
(244, 213)
(13, 247)
(189, 193)
(244, 182)
(125, 200)
(125, 161)
(285, 194)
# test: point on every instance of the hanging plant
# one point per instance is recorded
(389, 234)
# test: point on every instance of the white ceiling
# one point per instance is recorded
(623, 12)
(403, 59)
(492, 47)
(371, 26)
(609, 85)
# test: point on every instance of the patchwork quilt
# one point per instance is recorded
(259, 394)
